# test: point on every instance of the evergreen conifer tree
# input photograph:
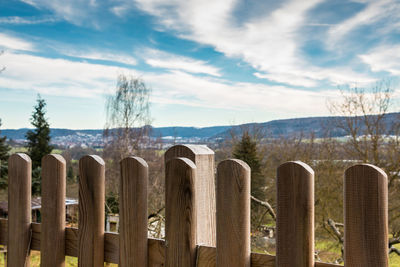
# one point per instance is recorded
(246, 150)
(4, 154)
(38, 142)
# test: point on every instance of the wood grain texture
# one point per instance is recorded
(53, 211)
(180, 213)
(91, 212)
(295, 215)
(19, 210)
(156, 252)
(233, 214)
(206, 256)
(365, 216)
(203, 158)
(133, 212)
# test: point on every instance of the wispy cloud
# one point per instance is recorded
(58, 76)
(386, 11)
(161, 59)
(271, 44)
(100, 55)
(15, 43)
(77, 12)
(62, 77)
(216, 93)
(27, 20)
(384, 58)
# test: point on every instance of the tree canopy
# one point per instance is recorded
(246, 150)
(39, 138)
(38, 142)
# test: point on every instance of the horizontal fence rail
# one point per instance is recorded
(206, 256)
(206, 225)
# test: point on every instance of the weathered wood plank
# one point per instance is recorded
(19, 210)
(206, 256)
(233, 214)
(91, 211)
(180, 213)
(203, 158)
(365, 216)
(295, 215)
(53, 211)
(133, 208)
(156, 252)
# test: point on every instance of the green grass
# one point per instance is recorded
(57, 151)
(328, 252)
(35, 260)
(19, 149)
(22, 149)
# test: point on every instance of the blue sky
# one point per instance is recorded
(208, 62)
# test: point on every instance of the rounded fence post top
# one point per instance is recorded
(366, 167)
(20, 157)
(137, 160)
(184, 161)
(195, 149)
(233, 162)
(299, 164)
(94, 158)
(56, 157)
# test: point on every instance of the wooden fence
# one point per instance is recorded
(204, 227)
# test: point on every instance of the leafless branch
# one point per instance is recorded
(266, 205)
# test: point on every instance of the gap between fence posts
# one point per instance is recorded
(19, 210)
(52, 239)
(233, 214)
(133, 213)
(91, 211)
(295, 215)
(365, 216)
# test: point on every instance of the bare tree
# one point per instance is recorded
(373, 137)
(128, 115)
(126, 129)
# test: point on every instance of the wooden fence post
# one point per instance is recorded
(365, 216)
(295, 215)
(52, 239)
(233, 214)
(91, 211)
(180, 213)
(19, 210)
(133, 212)
(203, 158)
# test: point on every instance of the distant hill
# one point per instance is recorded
(320, 126)
(275, 128)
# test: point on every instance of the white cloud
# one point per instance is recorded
(58, 76)
(27, 20)
(185, 89)
(161, 59)
(100, 55)
(62, 77)
(375, 11)
(384, 58)
(120, 10)
(271, 44)
(14, 43)
(73, 11)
